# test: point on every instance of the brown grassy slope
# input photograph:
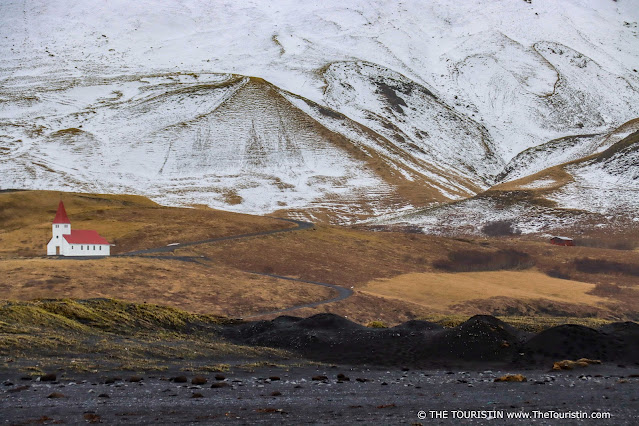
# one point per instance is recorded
(130, 222)
(357, 258)
(619, 288)
(556, 174)
(354, 257)
(342, 256)
(193, 287)
(550, 258)
(331, 254)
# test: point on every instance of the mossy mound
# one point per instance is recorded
(103, 314)
(114, 333)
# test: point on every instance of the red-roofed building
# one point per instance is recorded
(562, 241)
(66, 242)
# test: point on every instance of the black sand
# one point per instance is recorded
(369, 396)
(379, 376)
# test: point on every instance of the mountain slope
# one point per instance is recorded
(224, 140)
(413, 117)
(370, 106)
(593, 194)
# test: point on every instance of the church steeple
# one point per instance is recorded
(61, 224)
(61, 215)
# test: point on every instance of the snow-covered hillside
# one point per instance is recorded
(354, 107)
(608, 183)
(563, 150)
(599, 192)
(413, 117)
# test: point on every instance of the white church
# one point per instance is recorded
(66, 242)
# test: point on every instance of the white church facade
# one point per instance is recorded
(67, 242)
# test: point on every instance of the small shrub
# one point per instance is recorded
(606, 290)
(376, 324)
(472, 260)
(602, 266)
(615, 244)
(268, 270)
(500, 228)
(558, 273)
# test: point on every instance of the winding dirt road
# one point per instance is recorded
(301, 225)
(158, 253)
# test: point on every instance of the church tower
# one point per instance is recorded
(61, 226)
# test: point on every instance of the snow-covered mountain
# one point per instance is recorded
(600, 191)
(336, 110)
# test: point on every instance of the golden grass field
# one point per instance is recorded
(439, 292)
(392, 273)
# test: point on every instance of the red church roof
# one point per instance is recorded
(61, 215)
(84, 237)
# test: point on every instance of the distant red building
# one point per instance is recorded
(562, 241)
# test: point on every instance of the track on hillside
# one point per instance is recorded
(342, 292)
(301, 225)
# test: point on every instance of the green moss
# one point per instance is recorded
(124, 335)
(32, 370)
(538, 324)
(214, 368)
(20, 317)
(376, 324)
(251, 366)
(141, 365)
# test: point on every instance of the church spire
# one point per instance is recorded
(61, 215)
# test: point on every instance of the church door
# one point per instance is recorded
(57, 250)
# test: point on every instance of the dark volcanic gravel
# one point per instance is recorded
(418, 366)
(252, 398)
(483, 338)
